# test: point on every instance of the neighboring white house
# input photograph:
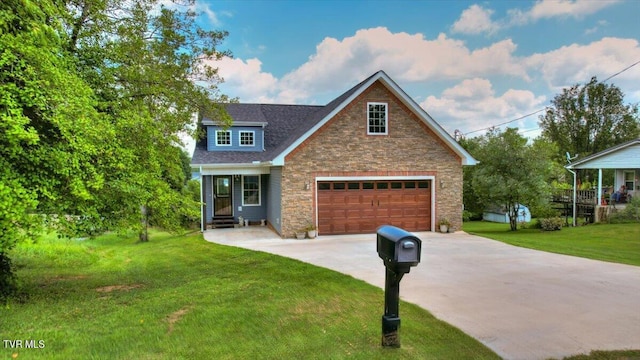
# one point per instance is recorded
(623, 158)
(500, 214)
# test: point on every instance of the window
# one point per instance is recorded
(246, 138)
(338, 186)
(251, 190)
(629, 180)
(223, 138)
(377, 118)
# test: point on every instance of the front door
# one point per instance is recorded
(222, 199)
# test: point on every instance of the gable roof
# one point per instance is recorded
(625, 155)
(290, 125)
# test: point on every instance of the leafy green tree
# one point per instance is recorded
(587, 119)
(51, 136)
(511, 171)
(471, 200)
(144, 62)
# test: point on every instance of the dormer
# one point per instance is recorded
(241, 136)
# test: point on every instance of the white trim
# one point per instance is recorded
(386, 118)
(232, 169)
(380, 178)
(259, 191)
(236, 123)
(224, 131)
(253, 138)
(466, 158)
(203, 214)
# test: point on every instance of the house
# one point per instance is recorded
(370, 157)
(500, 215)
(624, 159)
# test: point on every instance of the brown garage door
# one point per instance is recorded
(356, 207)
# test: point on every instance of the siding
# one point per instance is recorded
(258, 139)
(208, 197)
(252, 213)
(622, 159)
(274, 208)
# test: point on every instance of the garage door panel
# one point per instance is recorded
(368, 212)
(361, 207)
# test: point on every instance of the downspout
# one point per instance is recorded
(201, 200)
(574, 196)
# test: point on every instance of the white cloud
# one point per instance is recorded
(403, 56)
(246, 80)
(473, 104)
(546, 9)
(411, 59)
(211, 15)
(567, 8)
(475, 20)
(574, 64)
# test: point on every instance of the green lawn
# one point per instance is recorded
(608, 242)
(179, 297)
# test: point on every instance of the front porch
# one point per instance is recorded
(590, 205)
(230, 201)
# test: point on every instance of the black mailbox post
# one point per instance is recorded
(400, 251)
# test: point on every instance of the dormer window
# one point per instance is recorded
(247, 138)
(223, 138)
(377, 119)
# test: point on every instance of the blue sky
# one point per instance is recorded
(469, 64)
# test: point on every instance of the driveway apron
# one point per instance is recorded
(521, 303)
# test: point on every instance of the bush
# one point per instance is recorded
(7, 278)
(551, 224)
(471, 216)
(631, 213)
(543, 211)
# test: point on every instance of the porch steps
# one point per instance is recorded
(223, 222)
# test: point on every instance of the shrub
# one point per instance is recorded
(631, 213)
(551, 224)
(7, 278)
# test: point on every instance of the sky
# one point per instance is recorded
(469, 64)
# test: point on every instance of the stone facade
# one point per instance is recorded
(343, 148)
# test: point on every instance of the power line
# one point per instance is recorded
(506, 122)
(621, 71)
(537, 111)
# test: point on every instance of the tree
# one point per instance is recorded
(93, 95)
(511, 172)
(51, 137)
(144, 62)
(471, 200)
(587, 119)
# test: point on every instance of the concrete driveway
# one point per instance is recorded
(521, 303)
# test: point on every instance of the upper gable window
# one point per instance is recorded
(223, 138)
(246, 138)
(377, 118)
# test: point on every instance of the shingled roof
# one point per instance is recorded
(289, 125)
(285, 125)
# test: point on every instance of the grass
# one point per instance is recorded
(179, 297)
(619, 243)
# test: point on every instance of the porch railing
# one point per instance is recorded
(589, 197)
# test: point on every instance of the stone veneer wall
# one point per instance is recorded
(343, 148)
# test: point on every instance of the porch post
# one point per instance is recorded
(599, 187)
(202, 221)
